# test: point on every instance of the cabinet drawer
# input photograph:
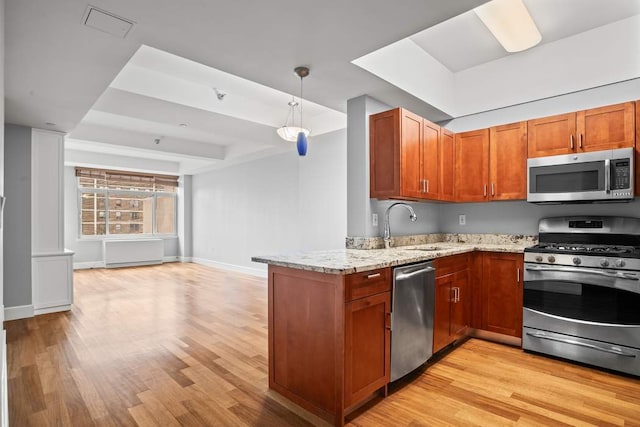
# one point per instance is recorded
(359, 285)
(451, 264)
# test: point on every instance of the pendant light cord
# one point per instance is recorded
(301, 101)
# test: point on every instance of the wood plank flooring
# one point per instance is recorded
(183, 344)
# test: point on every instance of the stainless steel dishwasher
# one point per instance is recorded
(412, 305)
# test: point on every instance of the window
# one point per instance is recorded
(126, 203)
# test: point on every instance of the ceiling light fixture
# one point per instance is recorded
(291, 132)
(510, 23)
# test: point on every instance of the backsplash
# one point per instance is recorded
(422, 239)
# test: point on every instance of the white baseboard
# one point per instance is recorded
(186, 259)
(231, 267)
(54, 309)
(171, 259)
(18, 312)
(87, 265)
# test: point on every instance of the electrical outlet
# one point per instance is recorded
(462, 219)
(374, 220)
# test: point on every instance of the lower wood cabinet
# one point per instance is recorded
(367, 346)
(329, 338)
(501, 294)
(452, 312)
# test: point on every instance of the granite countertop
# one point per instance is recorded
(347, 261)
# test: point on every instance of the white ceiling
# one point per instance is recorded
(116, 96)
(463, 42)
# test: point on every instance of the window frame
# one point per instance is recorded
(106, 192)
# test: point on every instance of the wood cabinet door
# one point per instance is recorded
(551, 136)
(411, 151)
(442, 312)
(430, 160)
(508, 162)
(637, 148)
(461, 305)
(384, 154)
(606, 128)
(502, 293)
(367, 346)
(446, 171)
(471, 166)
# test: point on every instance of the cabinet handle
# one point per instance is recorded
(427, 185)
(457, 294)
(388, 322)
(571, 141)
(493, 189)
(580, 140)
(373, 276)
(518, 275)
(484, 191)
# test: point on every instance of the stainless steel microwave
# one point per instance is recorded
(585, 177)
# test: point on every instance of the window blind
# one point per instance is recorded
(112, 179)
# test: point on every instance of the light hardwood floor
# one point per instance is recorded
(182, 344)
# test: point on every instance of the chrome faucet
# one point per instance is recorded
(387, 230)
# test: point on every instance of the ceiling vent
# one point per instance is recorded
(107, 22)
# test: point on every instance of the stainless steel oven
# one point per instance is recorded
(583, 177)
(582, 292)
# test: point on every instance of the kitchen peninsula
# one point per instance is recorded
(329, 314)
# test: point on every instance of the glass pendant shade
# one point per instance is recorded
(301, 143)
(290, 133)
(296, 133)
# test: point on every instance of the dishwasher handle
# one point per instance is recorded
(402, 276)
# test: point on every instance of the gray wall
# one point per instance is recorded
(516, 217)
(1, 151)
(17, 216)
(90, 250)
(185, 217)
(520, 217)
(272, 205)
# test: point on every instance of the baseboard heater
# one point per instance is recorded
(127, 253)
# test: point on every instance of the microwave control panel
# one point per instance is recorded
(621, 175)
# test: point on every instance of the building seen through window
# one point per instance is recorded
(125, 203)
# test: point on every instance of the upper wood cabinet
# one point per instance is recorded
(508, 162)
(603, 128)
(491, 164)
(471, 166)
(404, 156)
(446, 168)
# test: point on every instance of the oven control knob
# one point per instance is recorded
(538, 258)
(577, 261)
(551, 258)
(620, 263)
(604, 262)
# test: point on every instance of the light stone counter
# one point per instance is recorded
(347, 261)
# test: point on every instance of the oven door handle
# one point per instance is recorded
(612, 350)
(617, 275)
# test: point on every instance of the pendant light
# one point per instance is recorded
(296, 133)
(301, 142)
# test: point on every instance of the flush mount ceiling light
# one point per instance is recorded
(291, 132)
(510, 23)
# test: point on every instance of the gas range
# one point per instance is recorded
(581, 292)
(598, 242)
